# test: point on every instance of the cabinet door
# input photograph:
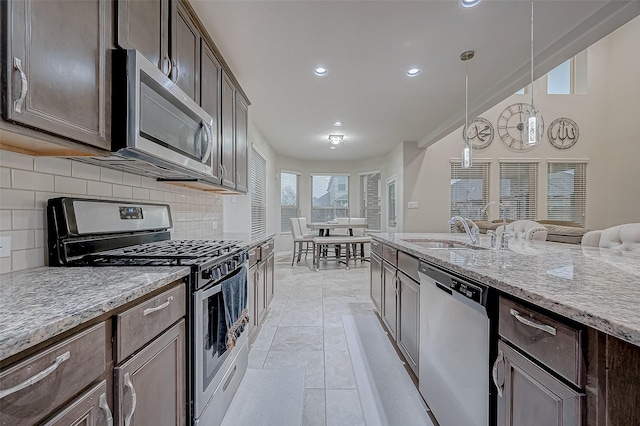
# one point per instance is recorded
(143, 25)
(241, 145)
(389, 298)
(409, 319)
(530, 395)
(251, 298)
(261, 297)
(269, 279)
(185, 52)
(89, 409)
(227, 123)
(59, 84)
(210, 80)
(375, 282)
(150, 387)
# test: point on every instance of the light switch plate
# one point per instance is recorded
(5, 246)
(413, 205)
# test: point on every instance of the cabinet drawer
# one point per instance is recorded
(390, 255)
(267, 249)
(143, 322)
(64, 370)
(376, 247)
(557, 345)
(254, 256)
(90, 409)
(409, 265)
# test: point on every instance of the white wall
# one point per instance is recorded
(607, 115)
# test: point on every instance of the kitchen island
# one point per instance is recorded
(563, 331)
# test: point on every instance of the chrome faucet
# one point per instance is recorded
(505, 236)
(473, 233)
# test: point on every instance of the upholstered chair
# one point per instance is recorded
(624, 237)
(525, 229)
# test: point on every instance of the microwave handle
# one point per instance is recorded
(209, 136)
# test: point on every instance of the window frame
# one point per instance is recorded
(258, 186)
(337, 210)
(366, 207)
(578, 197)
(530, 209)
(286, 223)
(481, 167)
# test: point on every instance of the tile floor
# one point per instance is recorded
(304, 330)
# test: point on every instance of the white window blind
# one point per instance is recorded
(567, 191)
(258, 195)
(519, 189)
(469, 190)
(288, 199)
(329, 197)
(370, 198)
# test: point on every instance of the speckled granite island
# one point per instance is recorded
(41, 303)
(597, 288)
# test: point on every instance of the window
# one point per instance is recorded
(560, 78)
(567, 191)
(258, 195)
(518, 190)
(370, 197)
(288, 199)
(469, 190)
(329, 197)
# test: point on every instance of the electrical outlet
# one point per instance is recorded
(413, 205)
(214, 224)
(5, 246)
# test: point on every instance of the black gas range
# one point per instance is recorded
(88, 232)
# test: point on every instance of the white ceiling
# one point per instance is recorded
(272, 48)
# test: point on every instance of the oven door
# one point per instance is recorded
(163, 124)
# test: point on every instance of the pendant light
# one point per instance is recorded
(467, 152)
(533, 122)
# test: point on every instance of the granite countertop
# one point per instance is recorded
(40, 303)
(599, 288)
(244, 238)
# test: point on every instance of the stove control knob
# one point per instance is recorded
(207, 274)
(224, 269)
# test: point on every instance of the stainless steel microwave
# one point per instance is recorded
(157, 129)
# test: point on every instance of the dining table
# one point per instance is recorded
(324, 228)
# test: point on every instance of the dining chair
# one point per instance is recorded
(299, 238)
(524, 229)
(361, 233)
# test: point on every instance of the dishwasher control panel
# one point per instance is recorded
(470, 291)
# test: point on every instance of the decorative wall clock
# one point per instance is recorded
(511, 126)
(563, 133)
(479, 132)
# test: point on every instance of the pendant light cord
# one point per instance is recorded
(466, 102)
(532, 54)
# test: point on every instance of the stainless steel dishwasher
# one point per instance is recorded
(454, 348)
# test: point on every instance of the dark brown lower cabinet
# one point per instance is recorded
(389, 298)
(259, 292)
(376, 281)
(89, 409)
(530, 395)
(150, 386)
(270, 289)
(408, 319)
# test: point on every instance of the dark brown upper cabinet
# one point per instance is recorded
(241, 144)
(59, 84)
(143, 25)
(185, 52)
(210, 80)
(228, 158)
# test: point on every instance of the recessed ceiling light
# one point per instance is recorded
(332, 147)
(321, 71)
(338, 123)
(412, 72)
(469, 3)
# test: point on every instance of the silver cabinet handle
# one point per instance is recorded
(134, 399)
(24, 85)
(166, 66)
(105, 407)
(525, 321)
(157, 308)
(37, 377)
(222, 170)
(175, 72)
(494, 372)
(207, 151)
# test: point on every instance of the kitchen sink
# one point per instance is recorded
(429, 243)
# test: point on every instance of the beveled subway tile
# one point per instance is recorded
(311, 361)
(338, 373)
(298, 339)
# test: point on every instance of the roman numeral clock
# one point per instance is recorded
(512, 129)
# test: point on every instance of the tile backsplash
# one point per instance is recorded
(26, 183)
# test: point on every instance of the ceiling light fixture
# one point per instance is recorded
(467, 160)
(335, 139)
(412, 72)
(320, 71)
(533, 121)
(469, 3)
(338, 123)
